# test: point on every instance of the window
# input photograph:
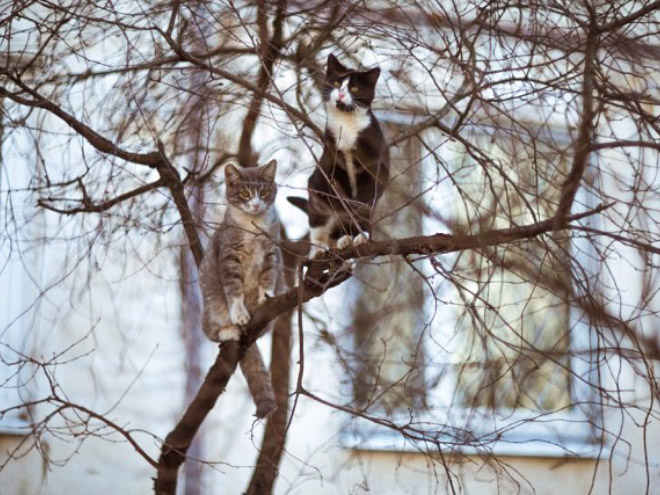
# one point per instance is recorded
(511, 328)
(507, 359)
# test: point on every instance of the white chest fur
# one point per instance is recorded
(346, 126)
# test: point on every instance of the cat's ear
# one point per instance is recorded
(334, 66)
(267, 172)
(372, 76)
(232, 174)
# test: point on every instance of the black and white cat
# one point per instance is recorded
(354, 167)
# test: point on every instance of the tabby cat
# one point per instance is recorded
(354, 167)
(242, 267)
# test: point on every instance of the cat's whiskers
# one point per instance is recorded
(251, 222)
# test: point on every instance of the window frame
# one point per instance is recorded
(15, 324)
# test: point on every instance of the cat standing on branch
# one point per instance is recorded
(242, 267)
(354, 167)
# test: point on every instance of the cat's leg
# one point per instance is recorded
(345, 241)
(238, 312)
(319, 235)
(361, 238)
(364, 224)
(229, 332)
(259, 381)
(218, 332)
(215, 319)
(344, 234)
(354, 232)
(270, 269)
(351, 234)
(231, 277)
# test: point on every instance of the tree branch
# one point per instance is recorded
(268, 52)
(272, 444)
(321, 275)
(169, 176)
(584, 139)
(626, 20)
(102, 144)
(92, 207)
(172, 180)
(290, 110)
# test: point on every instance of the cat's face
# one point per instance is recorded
(252, 189)
(348, 89)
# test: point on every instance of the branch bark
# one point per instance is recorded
(272, 445)
(585, 137)
(94, 207)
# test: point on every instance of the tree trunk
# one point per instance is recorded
(272, 446)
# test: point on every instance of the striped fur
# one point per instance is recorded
(241, 267)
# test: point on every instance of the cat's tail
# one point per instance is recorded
(300, 203)
(259, 382)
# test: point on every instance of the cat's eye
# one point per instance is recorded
(264, 193)
(337, 84)
(245, 194)
(354, 89)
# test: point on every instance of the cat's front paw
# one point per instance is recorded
(238, 313)
(344, 242)
(229, 332)
(263, 297)
(361, 238)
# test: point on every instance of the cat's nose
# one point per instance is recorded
(340, 95)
